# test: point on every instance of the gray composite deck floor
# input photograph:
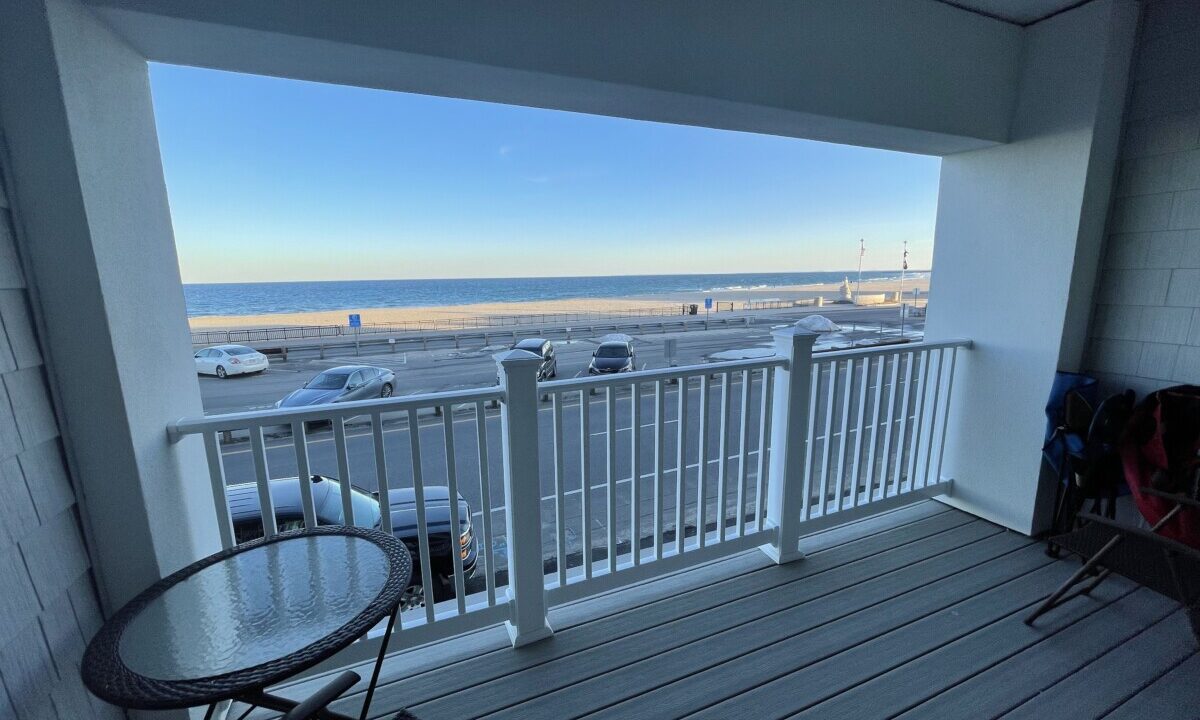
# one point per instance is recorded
(915, 614)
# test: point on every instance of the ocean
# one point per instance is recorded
(290, 297)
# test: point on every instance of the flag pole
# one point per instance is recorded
(862, 250)
(903, 267)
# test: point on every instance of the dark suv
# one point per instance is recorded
(327, 502)
(545, 349)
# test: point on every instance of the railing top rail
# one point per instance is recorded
(628, 378)
(285, 416)
(890, 348)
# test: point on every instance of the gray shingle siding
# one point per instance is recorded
(48, 603)
(1145, 332)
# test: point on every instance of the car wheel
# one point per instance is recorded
(221, 372)
(412, 598)
(386, 391)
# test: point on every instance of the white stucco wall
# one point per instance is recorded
(1017, 240)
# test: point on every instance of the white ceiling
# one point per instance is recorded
(1021, 12)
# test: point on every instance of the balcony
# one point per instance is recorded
(915, 612)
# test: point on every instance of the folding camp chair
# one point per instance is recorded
(1144, 556)
(1160, 452)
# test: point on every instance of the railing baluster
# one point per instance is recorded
(304, 475)
(585, 490)
(847, 394)
(216, 476)
(886, 461)
(485, 498)
(810, 442)
(723, 449)
(610, 488)
(414, 442)
(743, 457)
(827, 445)
(635, 469)
(659, 470)
(880, 362)
(859, 430)
(560, 511)
(902, 441)
(702, 469)
(680, 462)
(933, 417)
(764, 432)
(381, 481)
(343, 463)
(946, 411)
(918, 419)
(460, 590)
(266, 506)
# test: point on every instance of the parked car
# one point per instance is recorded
(612, 356)
(342, 384)
(544, 348)
(226, 360)
(327, 502)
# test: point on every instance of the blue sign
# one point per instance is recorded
(355, 320)
(708, 303)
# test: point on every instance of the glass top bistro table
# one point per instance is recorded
(235, 623)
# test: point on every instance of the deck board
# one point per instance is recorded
(1174, 696)
(841, 560)
(1104, 684)
(914, 613)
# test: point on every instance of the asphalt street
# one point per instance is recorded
(609, 470)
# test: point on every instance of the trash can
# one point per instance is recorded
(693, 309)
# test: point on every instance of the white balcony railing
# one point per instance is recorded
(599, 490)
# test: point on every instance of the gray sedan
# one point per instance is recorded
(342, 384)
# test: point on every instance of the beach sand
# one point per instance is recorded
(668, 302)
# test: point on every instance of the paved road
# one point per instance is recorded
(474, 368)
(447, 368)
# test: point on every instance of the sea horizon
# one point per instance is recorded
(278, 297)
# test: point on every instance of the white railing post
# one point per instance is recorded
(522, 495)
(789, 433)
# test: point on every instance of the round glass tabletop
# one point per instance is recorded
(254, 607)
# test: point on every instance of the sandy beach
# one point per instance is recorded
(664, 301)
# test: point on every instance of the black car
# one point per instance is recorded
(545, 349)
(612, 356)
(327, 502)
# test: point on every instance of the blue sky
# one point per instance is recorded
(274, 179)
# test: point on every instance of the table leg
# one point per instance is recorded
(379, 660)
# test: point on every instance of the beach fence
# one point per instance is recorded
(448, 324)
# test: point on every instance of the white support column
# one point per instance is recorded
(522, 496)
(789, 433)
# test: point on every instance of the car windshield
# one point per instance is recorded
(612, 351)
(239, 350)
(328, 380)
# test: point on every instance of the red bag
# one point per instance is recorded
(1161, 450)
